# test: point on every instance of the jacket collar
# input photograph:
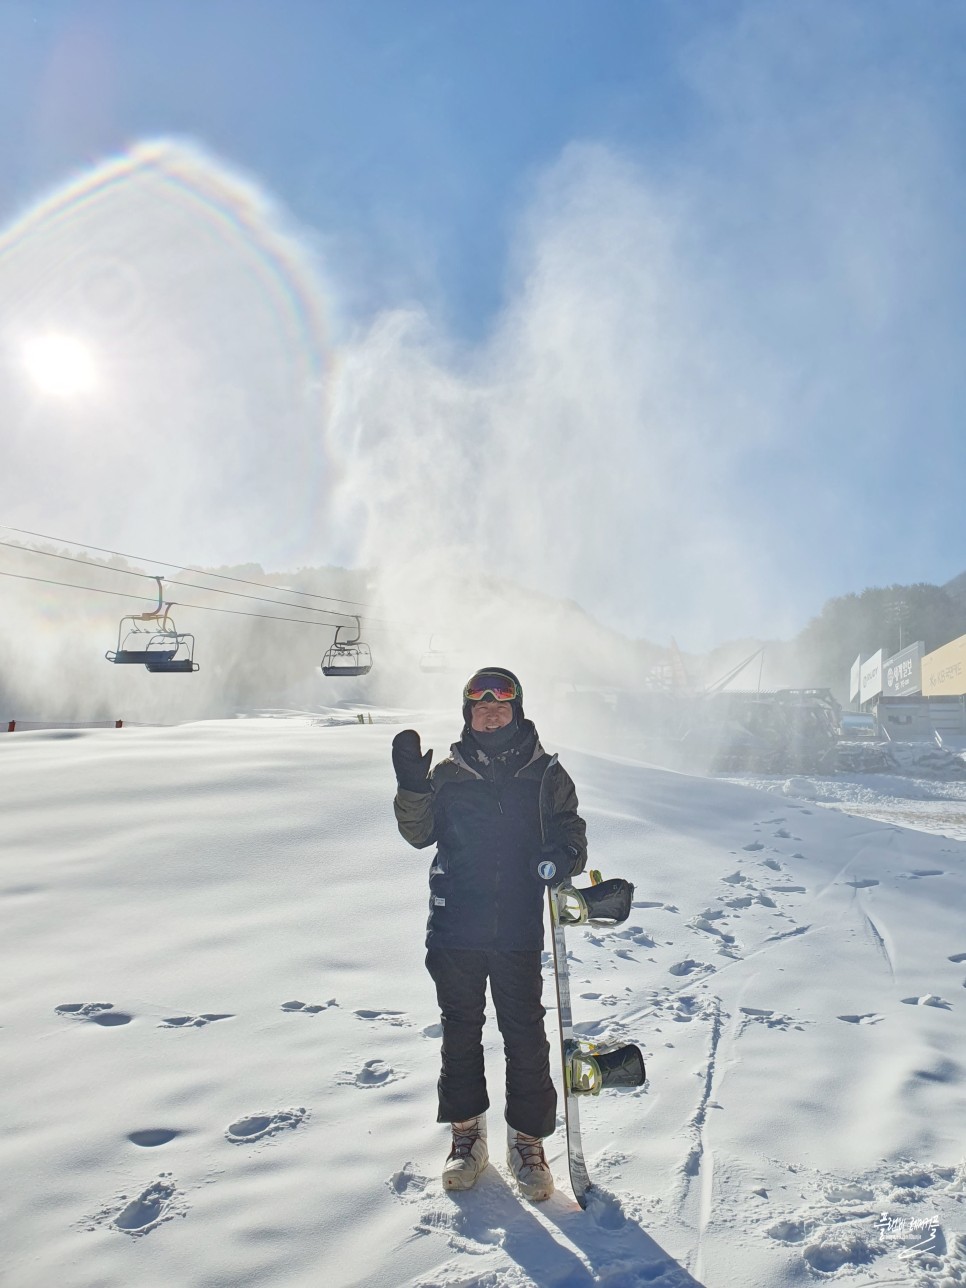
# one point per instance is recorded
(456, 750)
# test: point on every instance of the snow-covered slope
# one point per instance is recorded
(220, 1045)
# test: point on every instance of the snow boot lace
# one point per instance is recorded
(468, 1155)
(528, 1163)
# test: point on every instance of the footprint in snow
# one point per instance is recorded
(911, 1180)
(928, 999)
(639, 935)
(193, 1021)
(590, 1028)
(157, 1202)
(102, 1013)
(753, 845)
(735, 878)
(397, 1018)
(688, 967)
(436, 1030)
(647, 903)
(149, 1209)
(787, 889)
(849, 1193)
(407, 1183)
(916, 873)
(258, 1126)
(839, 1248)
(309, 1009)
(702, 923)
(771, 1019)
(957, 958)
(685, 1008)
(606, 1211)
(862, 883)
(374, 1073)
(742, 901)
(790, 1231)
(870, 1017)
(152, 1137)
(773, 864)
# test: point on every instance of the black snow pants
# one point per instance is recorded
(460, 976)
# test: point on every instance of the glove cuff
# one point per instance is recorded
(556, 864)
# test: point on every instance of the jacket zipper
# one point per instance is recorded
(499, 868)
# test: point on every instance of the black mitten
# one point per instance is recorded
(555, 864)
(411, 766)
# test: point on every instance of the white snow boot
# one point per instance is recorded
(468, 1155)
(527, 1161)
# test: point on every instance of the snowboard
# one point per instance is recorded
(587, 1067)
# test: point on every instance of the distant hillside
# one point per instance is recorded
(822, 653)
(886, 617)
(956, 590)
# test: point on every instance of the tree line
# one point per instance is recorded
(886, 617)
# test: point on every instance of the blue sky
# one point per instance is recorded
(409, 129)
(780, 183)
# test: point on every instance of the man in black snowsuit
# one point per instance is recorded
(503, 816)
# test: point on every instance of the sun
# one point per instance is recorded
(60, 366)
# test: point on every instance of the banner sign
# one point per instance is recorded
(870, 678)
(944, 671)
(902, 673)
(855, 678)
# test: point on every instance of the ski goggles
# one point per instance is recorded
(491, 683)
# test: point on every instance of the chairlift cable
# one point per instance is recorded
(52, 554)
(213, 590)
(308, 594)
(201, 608)
(241, 594)
(73, 585)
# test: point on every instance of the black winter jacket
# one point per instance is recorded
(489, 823)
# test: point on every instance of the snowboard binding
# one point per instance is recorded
(591, 1068)
(603, 903)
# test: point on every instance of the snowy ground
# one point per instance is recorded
(921, 803)
(220, 1045)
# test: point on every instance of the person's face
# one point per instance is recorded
(487, 717)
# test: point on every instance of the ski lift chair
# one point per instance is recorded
(347, 657)
(438, 661)
(152, 640)
(170, 652)
(134, 649)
